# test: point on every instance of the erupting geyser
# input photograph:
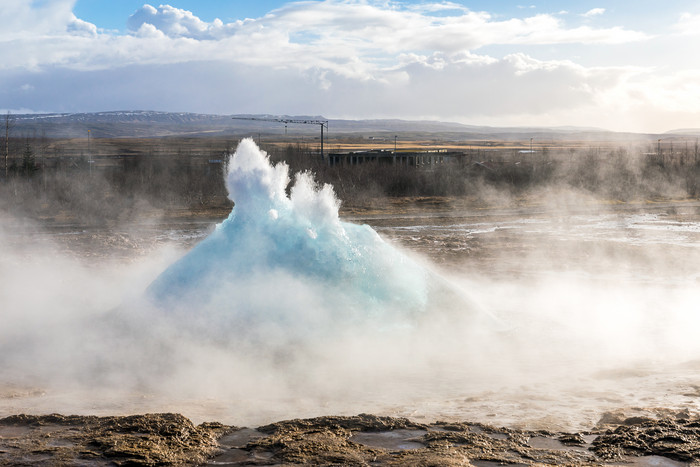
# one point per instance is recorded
(285, 311)
(288, 261)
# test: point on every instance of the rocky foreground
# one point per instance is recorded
(665, 439)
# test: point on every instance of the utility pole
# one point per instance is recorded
(7, 141)
(43, 147)
(89, 154)
(322, 123)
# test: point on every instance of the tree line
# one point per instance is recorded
(112, 180)
(107, 180)
(613, 173)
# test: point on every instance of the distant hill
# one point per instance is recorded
(149, 124)
(686, 132)
(132, 124)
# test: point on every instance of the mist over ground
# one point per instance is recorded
(541, 307)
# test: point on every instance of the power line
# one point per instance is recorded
(322, 123)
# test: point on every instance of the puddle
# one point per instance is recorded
(233, 452)
(652, 461)
(236, 456)
(395, 440)
(240, 438)
(542, 442)
(60, 443)
(479, 463)
(14, 431)
(481, 431)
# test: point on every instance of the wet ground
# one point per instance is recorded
(535, 239)
(453, 234)
(653, 249)
(663, 439)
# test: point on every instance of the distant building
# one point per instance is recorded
(419, 159)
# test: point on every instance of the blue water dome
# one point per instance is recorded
(285, 264)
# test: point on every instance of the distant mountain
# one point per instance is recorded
(459, 131)
(685, 131)
(149, 124)
(119, 124)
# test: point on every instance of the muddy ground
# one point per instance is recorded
(627, 437)
(646, 438)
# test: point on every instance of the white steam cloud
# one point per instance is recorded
(287, 311)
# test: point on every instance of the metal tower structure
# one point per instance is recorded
(323, 123)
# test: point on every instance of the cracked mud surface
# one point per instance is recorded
(652, 438)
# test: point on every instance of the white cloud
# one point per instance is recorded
(80, 27)
(22, 18)
(594, 12)
(546, 29)
(147, 30)
(645, 100)
(401, 30)
(688, 24)
(352, 37)
(673, 92)
(339, 57)
(175, 22)
(437, 7)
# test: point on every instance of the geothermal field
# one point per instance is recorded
(553, 315)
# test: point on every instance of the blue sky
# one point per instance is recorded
(620, 65)
(112, 14)
(643, 13)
